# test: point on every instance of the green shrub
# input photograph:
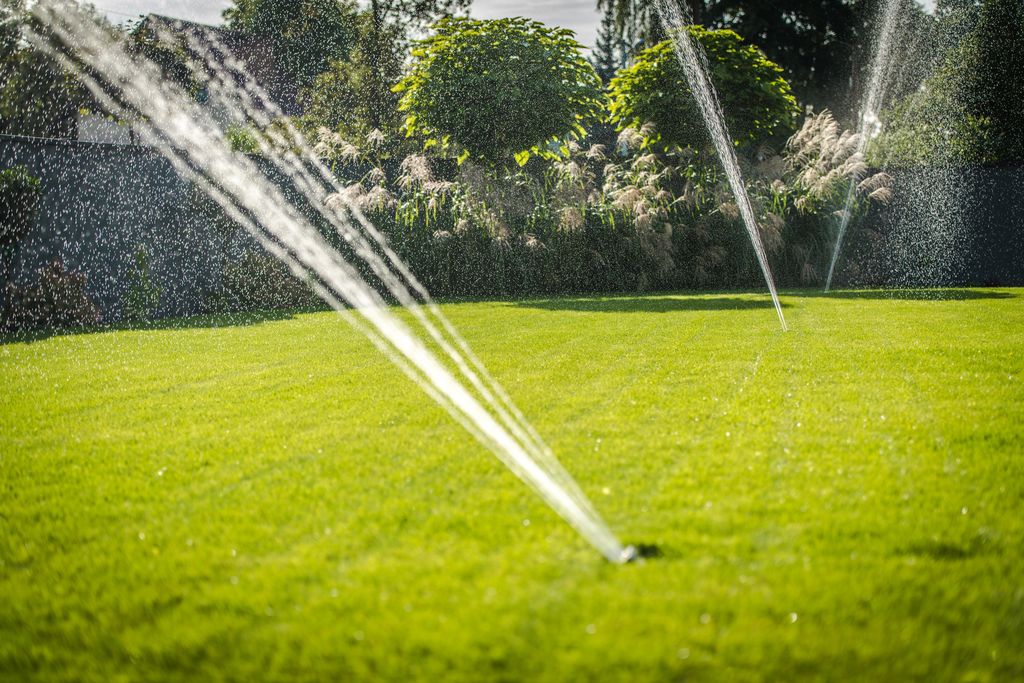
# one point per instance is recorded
(259, 282)
(243, 140)
(494, 89)
(143, 295)
(19, 200)
(758, 103)
(58, 300)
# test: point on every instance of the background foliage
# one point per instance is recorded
(969, 111)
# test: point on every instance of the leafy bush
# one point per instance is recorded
(758, 103)
(19, 199)
(593, 221)
(259, 282)
(934, 126)
(242, 139)
(58, 300)
(499, 88)
(143, 295)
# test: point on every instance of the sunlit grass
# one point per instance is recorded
(273, 501)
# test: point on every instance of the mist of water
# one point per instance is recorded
(430, 352)
(881, 73)
(676, 18)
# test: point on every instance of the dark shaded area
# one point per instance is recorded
(100, 205)
(194, 323)
(648, 304)
(648, 551)
(946, 227)
(948, 551)
(907, 294)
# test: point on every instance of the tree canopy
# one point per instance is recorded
(499, 88)
(969, 109)
(758, 103)
(37, 97)
(817, 42)
(307, 35)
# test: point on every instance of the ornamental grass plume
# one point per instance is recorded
(821, 161)
(415, 170)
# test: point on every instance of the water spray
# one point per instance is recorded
(695, 65)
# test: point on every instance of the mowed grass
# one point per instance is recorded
(272, 500)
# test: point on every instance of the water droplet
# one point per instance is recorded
(142, 535)
(963, 511)
(683, 653)
(793, 617)
(705, 618)
(526, 522)
(591, 629)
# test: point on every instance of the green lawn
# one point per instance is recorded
(273, 501)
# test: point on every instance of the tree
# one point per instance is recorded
(995, 86)
(386, 30)
(968, 111)
(758, 103)
(821, 44)
(307, 36)
(356, 94)
(499, 88)
(608, 56)
(637, 22)
(37, 97)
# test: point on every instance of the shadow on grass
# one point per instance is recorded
(666, 303)
(907, 294)
(949, 551)
(194, 323)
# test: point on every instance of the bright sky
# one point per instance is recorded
(579, 15)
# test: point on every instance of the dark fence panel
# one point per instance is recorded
(945, 227)
(102, 203)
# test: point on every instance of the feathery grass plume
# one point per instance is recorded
(572, 220)
(415, 170)
(532, 242)
(375, 139)
(629, 140)
(376, 177)
(729, 210)
(821, 161)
